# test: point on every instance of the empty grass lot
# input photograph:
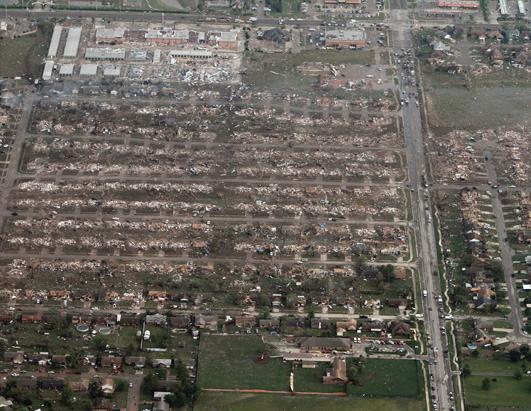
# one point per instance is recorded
(229, 362)
(209, 401)
(504, 392)
(484, 365)
(23, 55)
(389, 378)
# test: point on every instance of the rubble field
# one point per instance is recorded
(459, 155)
(59, 156)
(125, 279)
(216, 122)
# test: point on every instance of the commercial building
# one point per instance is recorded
(504, 11)
(48, 69)
(110, 35)
(340, 3)
(167, 37)
(54, 42)
(89, 70)
(459, 4)
(345, 38)
(72, 42)
(192, 54)
(225, 39)
(112, 70)
(156, 56)
(66, 70)
(521, 7)
(105, 53)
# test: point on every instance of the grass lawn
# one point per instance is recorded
(23, 55)
(279, 70)
(482, 364)
(311, 380)
(505, 391)
(209, 401)
(389, 378)
(229, 362)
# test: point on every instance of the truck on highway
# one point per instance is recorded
(424, 293)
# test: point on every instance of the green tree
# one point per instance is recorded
(176, 400)
(518, 375)
(84, 405)
(485, 384)
(466, 370)
(149, 384)
(514, 355)
(100, 343)
(94, 390)
(121, 385)
(388, 272)
(524, 349)
(67, 396)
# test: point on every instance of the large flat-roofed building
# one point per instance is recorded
(112, 70)
(54, 42)
(88, 69)
(345, 38)
(110, 35)
(104, 53)
(168, 37)
(458, 4)
(521, 7)
(72, 42)
(227, 40)
(191, 54)
(66, 70)
(341, 3)
(504, 10)
(48, 69)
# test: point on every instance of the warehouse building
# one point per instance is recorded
(110, 35)
(112, 70)
(54, 42)
(168, 37)
(88, 70)
(345, 38)
(341, 3)
(105, 53)
(191, 54)
(72, 42)
(48, 70)
(66, 70)
(458, 4)
(504, 11)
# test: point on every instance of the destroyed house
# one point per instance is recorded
(338, 373)
(325, 344)
(111, 361)
(245, 321)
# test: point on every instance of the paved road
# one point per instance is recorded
(427, 261)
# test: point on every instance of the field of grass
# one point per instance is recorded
(229, 362)
(504, 392)
(279, 70)
(478, 107)
(311, 380)
(209, 401)
(389, 378)
(23, 55)
(491, 365)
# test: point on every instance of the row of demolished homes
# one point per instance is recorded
(104, 158)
